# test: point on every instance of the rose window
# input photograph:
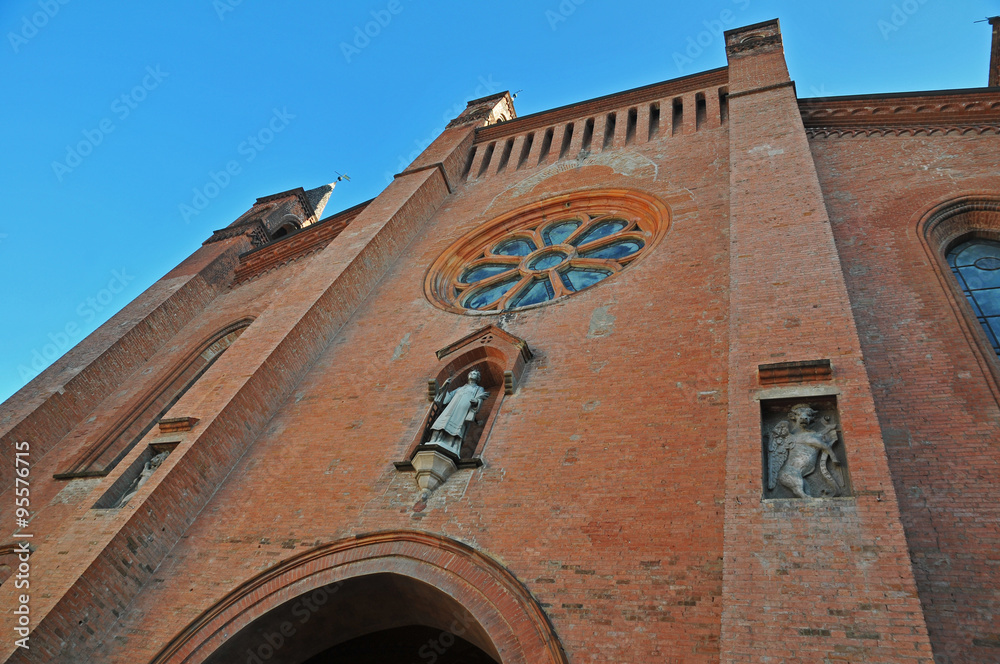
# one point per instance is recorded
(548, 251)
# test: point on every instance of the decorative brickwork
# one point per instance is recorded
(294, 246)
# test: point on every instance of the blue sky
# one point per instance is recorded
(116, 114)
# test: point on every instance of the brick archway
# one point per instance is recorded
(513, 625)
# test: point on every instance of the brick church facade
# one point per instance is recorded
(695, 372)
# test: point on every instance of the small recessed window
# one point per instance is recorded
(283, 231)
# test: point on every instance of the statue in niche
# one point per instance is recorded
(460, 408)
(147, 471)
(796, 450)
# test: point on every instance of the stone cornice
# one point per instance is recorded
(908, 114)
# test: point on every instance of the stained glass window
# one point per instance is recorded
(976, 265)
(548, 261)
(546, 251)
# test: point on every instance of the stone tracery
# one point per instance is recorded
(546, 251)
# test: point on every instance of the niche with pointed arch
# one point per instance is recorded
(500, 359)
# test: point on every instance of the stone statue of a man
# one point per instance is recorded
(460, 408)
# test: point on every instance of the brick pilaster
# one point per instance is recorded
(803, 579)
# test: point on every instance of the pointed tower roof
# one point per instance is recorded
(318, 198)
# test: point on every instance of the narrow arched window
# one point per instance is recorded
(976, 266)
(100, 456)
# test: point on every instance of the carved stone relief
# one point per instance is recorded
(148, 469)
(803, 450)
(135, 477)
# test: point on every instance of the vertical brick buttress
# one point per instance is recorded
(804, 580)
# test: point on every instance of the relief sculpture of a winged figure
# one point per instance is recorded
(795, 451)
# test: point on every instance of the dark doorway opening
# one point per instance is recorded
(404, 645)
(385, 618)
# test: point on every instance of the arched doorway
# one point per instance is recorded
(378, 619)
(396, 596)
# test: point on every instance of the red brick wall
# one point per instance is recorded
(622, 481)
(602, 489)
(58, 399)
(938, 413)
(115, 551)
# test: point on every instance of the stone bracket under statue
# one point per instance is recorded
(474, 375)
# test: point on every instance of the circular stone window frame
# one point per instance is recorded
(645, 214)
